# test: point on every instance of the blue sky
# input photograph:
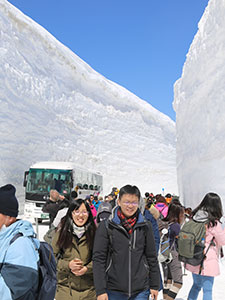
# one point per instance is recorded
(139, 44)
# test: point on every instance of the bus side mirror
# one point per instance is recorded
(25, 178)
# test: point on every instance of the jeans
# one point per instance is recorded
(120, 296)
(199, 282)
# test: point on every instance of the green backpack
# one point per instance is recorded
(191, 243)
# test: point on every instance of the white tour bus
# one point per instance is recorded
(61, 176)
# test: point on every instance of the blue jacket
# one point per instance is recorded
(96, 205)
(18, 262)
(148, 216)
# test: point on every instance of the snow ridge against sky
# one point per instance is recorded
(56, 107)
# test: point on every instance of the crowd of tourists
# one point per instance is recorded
(120, 247)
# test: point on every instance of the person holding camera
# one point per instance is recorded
(54, 204)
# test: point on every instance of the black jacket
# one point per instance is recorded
(128, 264)
(52, 208)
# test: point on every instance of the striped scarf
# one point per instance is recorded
(127, 223)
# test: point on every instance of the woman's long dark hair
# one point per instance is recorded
(212, 204)
(66, 231)
(175, 211)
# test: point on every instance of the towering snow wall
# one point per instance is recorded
(200, 110)
(56, 107)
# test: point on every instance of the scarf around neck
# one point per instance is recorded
(78, 231)
(127, 223)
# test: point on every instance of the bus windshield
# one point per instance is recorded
(43, 180)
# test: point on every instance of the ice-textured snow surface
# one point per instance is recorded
(56, 107)
(200, 110)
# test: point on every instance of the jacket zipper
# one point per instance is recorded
(134, 241)
(130, 251)
(129, 269)
(110, 263)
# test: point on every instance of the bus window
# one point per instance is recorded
(80, 186)
(43, 181)
(85, 186)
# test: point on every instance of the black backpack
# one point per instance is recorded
(47, 271)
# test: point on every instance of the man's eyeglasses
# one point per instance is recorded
(83, 213)
(131, 203)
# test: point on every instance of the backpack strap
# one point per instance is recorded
(145, 232)
(19, 234)
(109, 231)
(173, 245)
(163, 208)
(204, 257)
(16, 236)
(221, 252)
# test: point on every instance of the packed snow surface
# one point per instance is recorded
(56, 107)
(200, 110)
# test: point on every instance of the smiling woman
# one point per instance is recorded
(72, 245)
(80, 216)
